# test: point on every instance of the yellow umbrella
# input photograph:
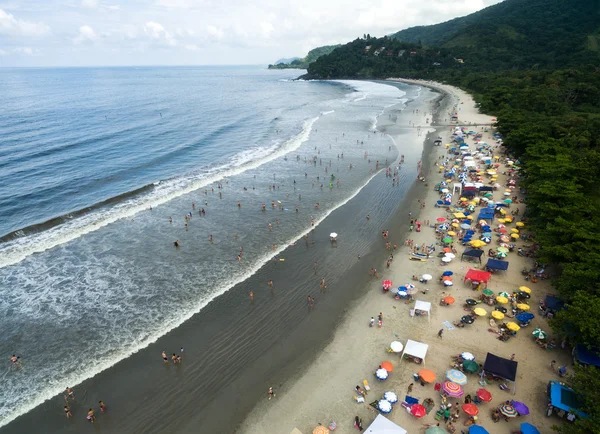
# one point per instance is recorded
(508, 190)
(462, 198)
(480, 311)
(515, 236)
(503, 212)
(501, 220)
(447, 145)
(520, 224)
(454, 225)
(497, 314)
(496, 157)
(451, 233)
(501, 300)
(523, 306)
(508, 218)
(513, 326)
(514, 230)
(477, 243)
(459, 215)
(469, 217)
(525, 289)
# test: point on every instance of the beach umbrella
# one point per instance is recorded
(445, 278)
(504, 239)
(525, 289)
(503, 294)
(514, 236)
(387, 366)
(449, 299)
(451, 233)
(321, 430)
(409, 286)
(513, 326)
(470, 302)
(526, 428)
(450, 255)
(448, 283)
(467, 356)
(523, 306)
(470, 409)
(426, 277)
(447, 273)
(465, 226)
(381, 374)
(508, 410)
(446, 259)
(469, 217)
(333, 235)
(502, 231)
(396, 346)
(525, 317)
(394, 290)
(452, 389)
(411, 291)
(502, 250)
(387, 284)
(480, 311)
(486, 240)
(539, 333)
(501, 309)
(488, 292)
(486, 234)
(508, 218)
(427, 375)
(514, 230)
(467, 319)
(455, 376)
(402, 293)
(477, 429)
(520, 224)
(470, 366)
(390, 397)
(384, 406)
(477, 243)
(524, 295)
(488, 195)
(484, 395)
(435, 430)
(417, 410)
(521, 408)
(501, 300)
(507, 201)
(501, 255)
(497, 314)
(455, 225)
(441, 219)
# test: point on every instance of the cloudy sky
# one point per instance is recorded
(196, 32)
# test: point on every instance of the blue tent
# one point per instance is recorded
(525, 317)
(553, 303)
(494, 264)
(582, 355)
(527, 428)
(564, 398)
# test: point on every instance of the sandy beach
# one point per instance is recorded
(324, 392)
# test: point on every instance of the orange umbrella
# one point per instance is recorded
(447, 278)
(321, 430)
(387, 366)
(427, 375)
(449, 299)
(447, 250)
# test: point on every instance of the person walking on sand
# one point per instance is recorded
(553, 364)
(410, 388)
(271, 393)
(380, 318)
(372, 322)
(440, 333)
(251, 295)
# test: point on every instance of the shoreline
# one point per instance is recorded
(324, 391)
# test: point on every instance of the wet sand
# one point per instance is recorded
(234, 348)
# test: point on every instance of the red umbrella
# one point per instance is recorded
(387, 284)
(470, 409)
(441, 219)
(484, 395)
(418, 410)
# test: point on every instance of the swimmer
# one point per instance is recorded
(251, 295)
(90, 416)
(69, 394)
(102, 406)
(165, 358)
(174, 358)
(176, 243)
(68, 413)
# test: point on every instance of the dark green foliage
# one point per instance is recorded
(312, 55)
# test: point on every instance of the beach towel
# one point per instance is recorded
(410, 400)
(448, 325)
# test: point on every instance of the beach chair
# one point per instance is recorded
(366, 385)
(359, 399)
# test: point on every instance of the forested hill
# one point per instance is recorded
(303, 63)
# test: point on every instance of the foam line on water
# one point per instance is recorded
(14, 251)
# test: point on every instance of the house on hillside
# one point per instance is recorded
(401, 53)
(378, 51)
(389, 53)
(460, 60)
(413, 52)
(367, 48)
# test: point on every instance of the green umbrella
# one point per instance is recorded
(504, 294)
(502, 250)
(447, 240)
(501, 255)
(436, 430)
(507, 201)
(488, 195)
(488, 292)
(539, 333)
(470, 366)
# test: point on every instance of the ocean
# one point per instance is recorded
(96, 162)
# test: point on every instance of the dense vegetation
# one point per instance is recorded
(535, 65)
(303, 63)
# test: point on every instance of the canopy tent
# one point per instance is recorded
(564, 398)
(424, 306)
(486, 188)
(415, 349)
(582, 355)
(382, 425)
(478, 275)
(486, 214)
(472, 253)
(495, 264)
(554, 304)
(501, 367)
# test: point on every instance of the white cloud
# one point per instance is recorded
(266, 29)
(89, 3)
(158, 33)
(3, 52)
(86, 35)
(9, 25)
(24, 50)
(191, 47)
(215, 32)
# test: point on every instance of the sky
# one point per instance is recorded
(200, 32)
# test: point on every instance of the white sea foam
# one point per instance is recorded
(16, 250)
(328, 112)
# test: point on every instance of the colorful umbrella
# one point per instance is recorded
(515, 236)
(470, 409)
(514, 230)
(525, 289)
(502, 250)
(539, 333)
(467, 319)
(452, 389)
(387, 284)
(447, 277)
(446, 259)
(456, 376)
(426, 375)
(470, 366)
(470, 302)
(450, 255)
(465, 226)
(523, 306)
(390, 397)
(451, 233)
(417, 410)
(488, 292)
(477, 243)
(525, 317)
(497, 314)
(501, 300)
(449, 299)
(521, 408)
(503, 294)
(448, 282)
(381, 374)
(513, 326)
(384, 406)
(321, 430)
(508, 410)
(484, 395)
(396, 346)
(467, 356)
(480, 311)
(387, 366)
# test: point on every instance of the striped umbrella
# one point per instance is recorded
(455, 376)
(452, 389)
(436, 430)
(503, 294)
(321, 430)
(508, 410)
(539, 333)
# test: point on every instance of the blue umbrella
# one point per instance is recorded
(470, 232)
(525, 317)
(477, 429)
(527, 428)
(447, 273)
(486, 229)
(465, 226)
(487, 234)
(486, 239)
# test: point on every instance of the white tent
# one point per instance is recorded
(382, 425)
(415, 349)
(425, 306)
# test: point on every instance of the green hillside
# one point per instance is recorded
(303, 63)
